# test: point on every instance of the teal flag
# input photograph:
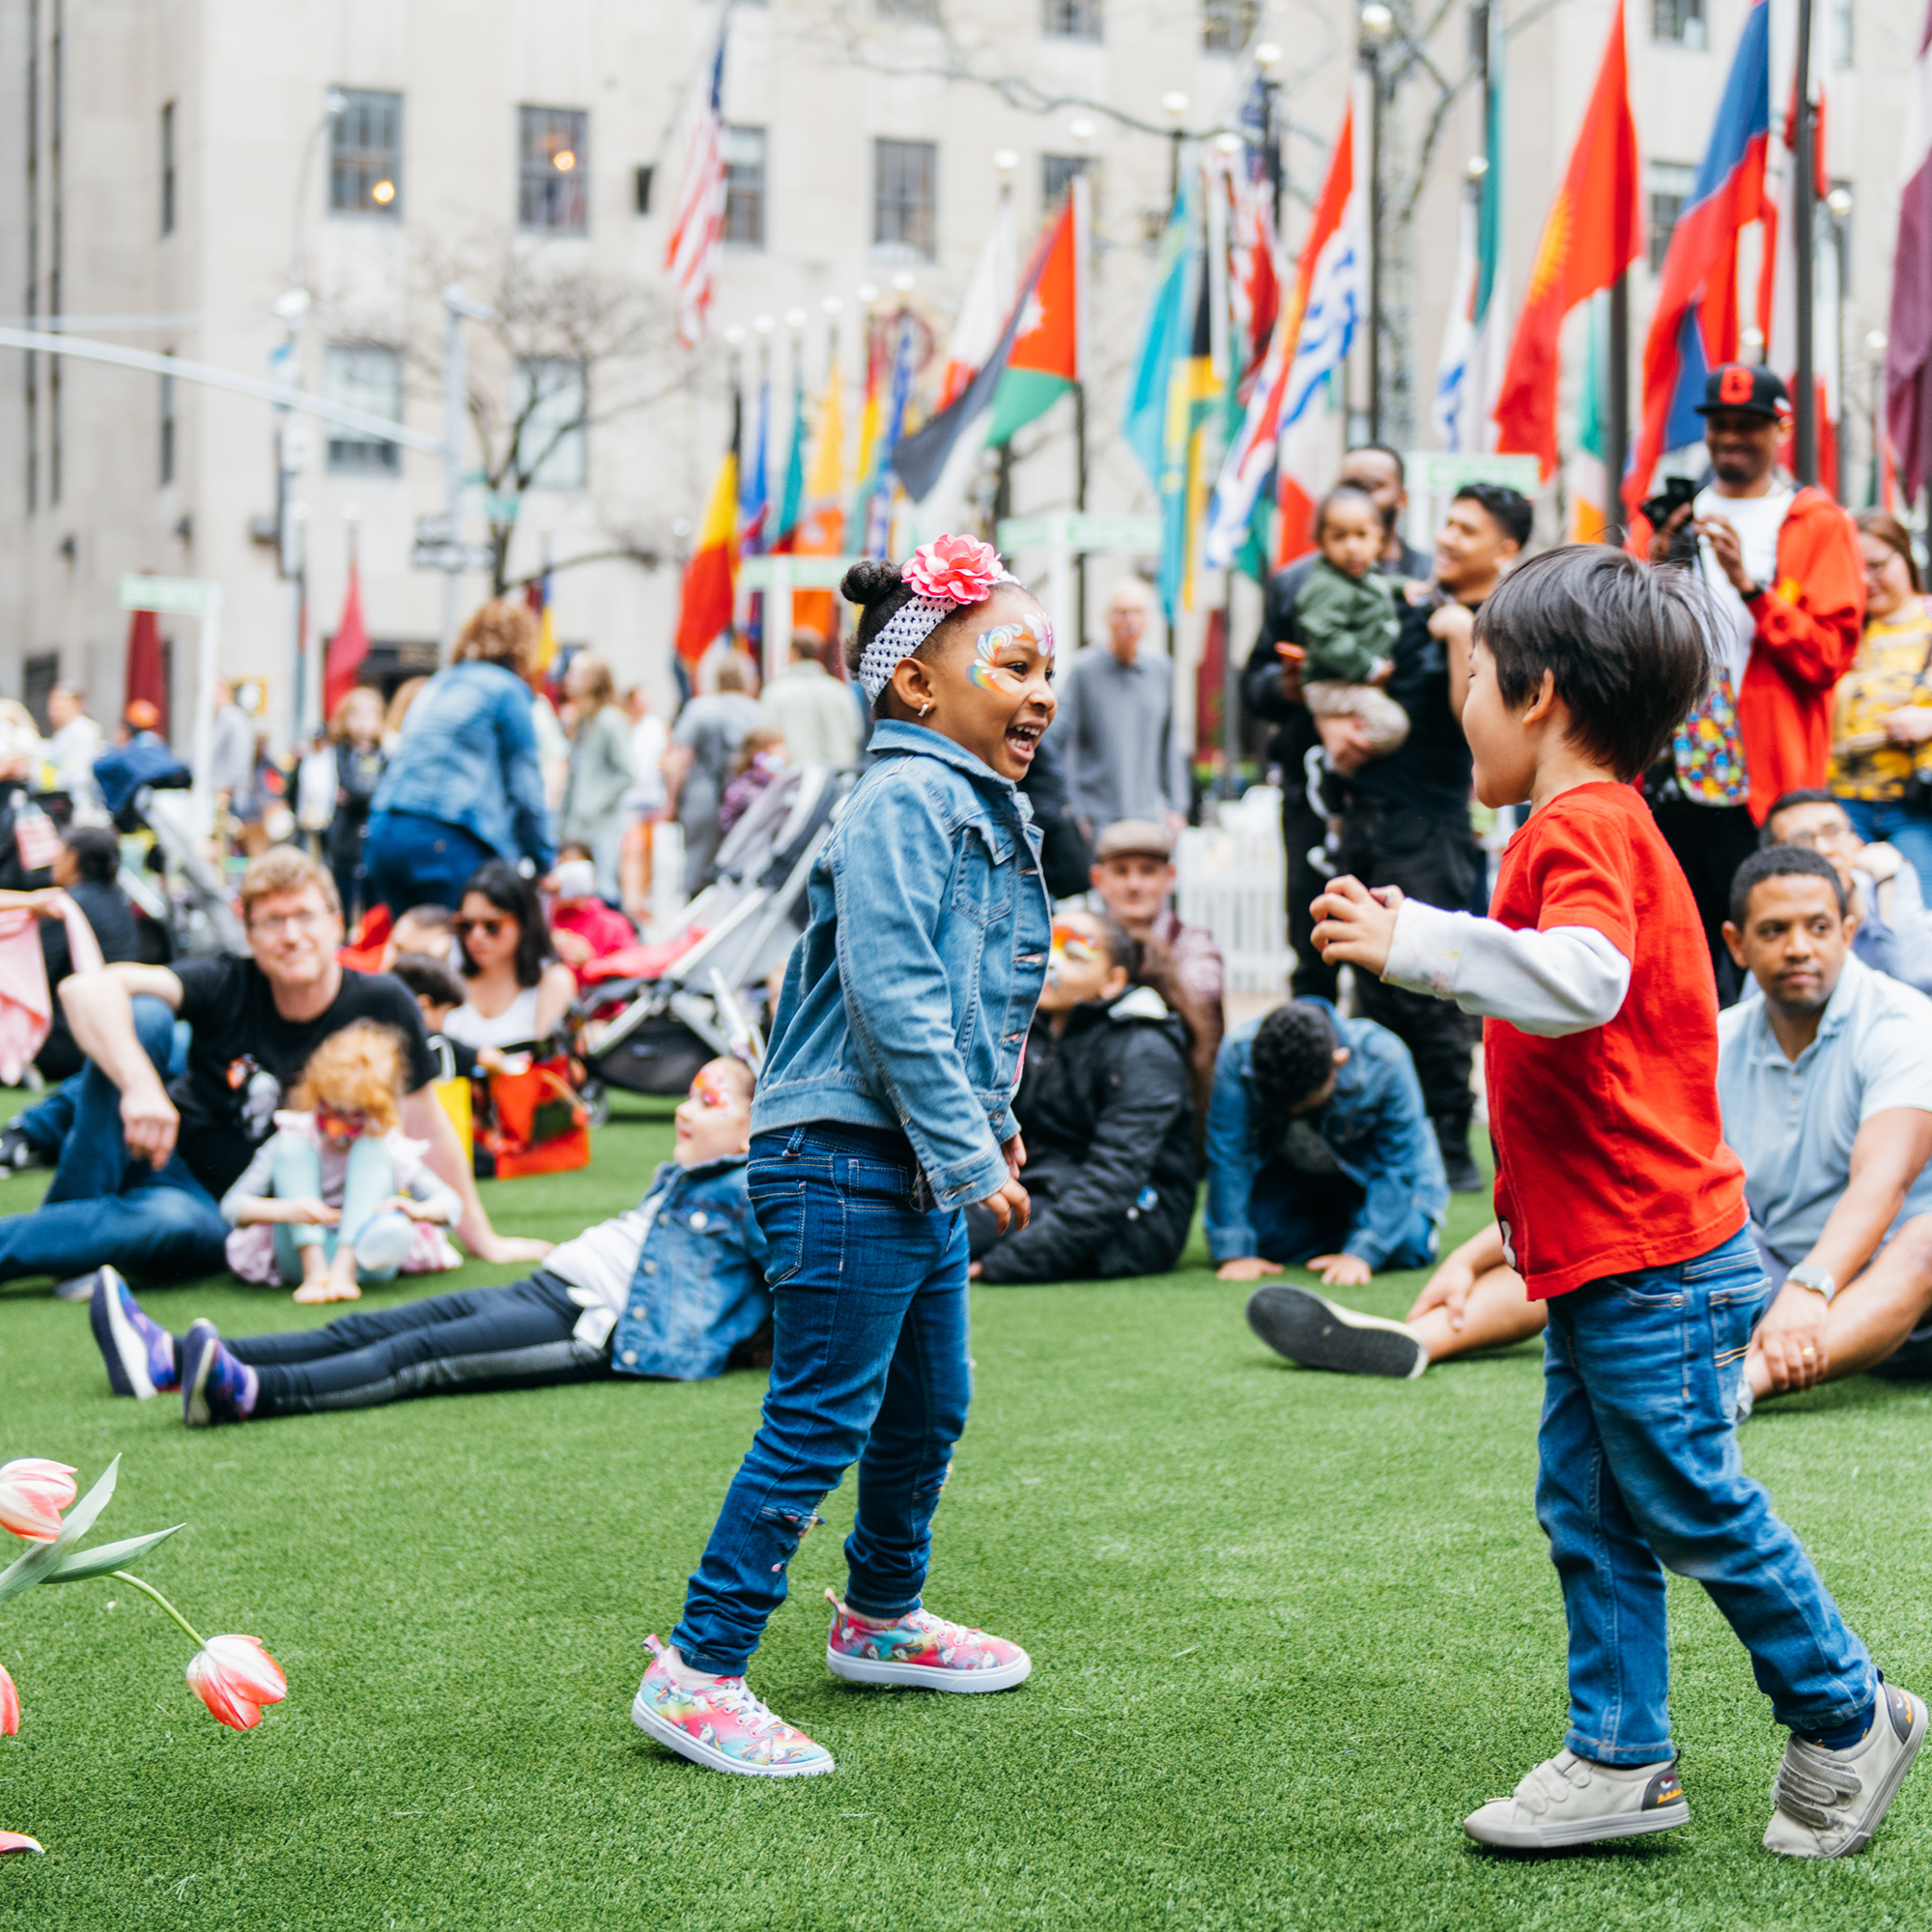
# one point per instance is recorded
(793, 503)
(1166, 339)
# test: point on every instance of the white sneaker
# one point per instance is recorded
(1320, 1334)
(1830, 1802)
(1568, 1800)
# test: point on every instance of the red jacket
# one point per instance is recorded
(1808, 627)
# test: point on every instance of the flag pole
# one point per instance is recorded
(1616, 399)
(1078, 190)
(1804, 228)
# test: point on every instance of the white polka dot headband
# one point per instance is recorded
(944, 575)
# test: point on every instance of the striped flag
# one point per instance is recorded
(695, 235)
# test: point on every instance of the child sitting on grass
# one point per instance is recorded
(673, 1287)
(1620, 1206)
(1345, 623)
(336, 1196)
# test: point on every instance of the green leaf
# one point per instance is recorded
(85, 1563)
(24, 1572)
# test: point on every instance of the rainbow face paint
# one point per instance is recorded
(709, 1094)
(990, 643)
(1070, 946)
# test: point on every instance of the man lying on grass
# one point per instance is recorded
(1825, 1089)
(672, 1287)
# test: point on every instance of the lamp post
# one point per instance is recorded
(1376, 24)
(1876, 343)
(456, 307)
(1174, 105)
(1804, 242)
(1267, 57)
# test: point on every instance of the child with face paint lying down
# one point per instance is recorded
(673, 1288)
(1109, 1122)
(883, 1109)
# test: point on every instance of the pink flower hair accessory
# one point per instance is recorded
(955, 570)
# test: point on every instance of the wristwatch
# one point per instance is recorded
(1822, 1279)
(1751, 595)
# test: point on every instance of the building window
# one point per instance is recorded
(1669, 184)
(1056, 177)
(167, 428)
(1227, 26)
(1844, 39)
(905, 184)
(552, 185)
(927, 11)
(38, 674)
(745, 186)
(168, 169)
(641, 187)
(365, 375)
(552, 400)
(1681, 21)
(1071, 19)
(365, 154)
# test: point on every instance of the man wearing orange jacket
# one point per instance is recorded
(1787, 586)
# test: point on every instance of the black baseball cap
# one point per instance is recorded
(1746, 385)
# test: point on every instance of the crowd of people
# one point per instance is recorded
(1702, 969)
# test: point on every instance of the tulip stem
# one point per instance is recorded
(164, 1603)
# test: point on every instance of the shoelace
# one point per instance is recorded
(1812, 1783)
(733, 1692)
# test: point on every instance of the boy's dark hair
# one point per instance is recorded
(1334, 496)
(1509, 509)
(1292, 1056)
(876, 586)
(1785, 800)
(1779, 861)
(97, 853)
(1626, 646)
(1124, 949)
(428, 978)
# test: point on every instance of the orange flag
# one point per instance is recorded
(712, 574)
(1593, 234)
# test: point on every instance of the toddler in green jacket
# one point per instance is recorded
(1345, 621)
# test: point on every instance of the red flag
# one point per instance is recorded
(711, 575)
(146, 684)
(1593, 232)
(346, 650)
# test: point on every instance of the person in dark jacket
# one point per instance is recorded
(85, 870)
(1104, 1108)
(1064, 856)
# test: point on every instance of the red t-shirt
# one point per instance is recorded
(1610, 1150)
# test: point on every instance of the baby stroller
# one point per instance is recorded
(650, 1030)
(182, 894)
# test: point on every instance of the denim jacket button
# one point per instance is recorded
(701, 1219)
(630, 1357)
(650, 1268)
(637, 1311)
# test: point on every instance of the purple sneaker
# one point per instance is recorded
(924, 1651)
(722, 1726)
(215, 1386)
(139, 1352)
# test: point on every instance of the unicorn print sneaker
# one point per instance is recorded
(215, 1387)
(722, 1726)
(1569, 1800)
(923, 1652)
(139, 1352)
(1830, 1802)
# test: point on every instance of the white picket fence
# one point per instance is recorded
(1231, 878)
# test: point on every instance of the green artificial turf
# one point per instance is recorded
(1286, 1630)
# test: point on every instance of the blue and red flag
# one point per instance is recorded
(1696, 323)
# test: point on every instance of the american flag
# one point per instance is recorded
(692, 256)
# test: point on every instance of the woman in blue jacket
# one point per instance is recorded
(465, 783)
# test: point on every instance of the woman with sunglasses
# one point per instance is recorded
(519, 990)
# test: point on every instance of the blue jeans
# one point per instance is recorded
(1899, 825)
(105, 1207)
(409, 860)
(380, 1241)
(1296, 1216)
(869, 1363)
(1639, 1469)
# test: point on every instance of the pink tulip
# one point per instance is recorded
(10, 1705)
(33, 1492)
(19, 1841)
(233, 1676)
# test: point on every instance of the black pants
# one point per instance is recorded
(1302, 831)
(1433, 857)
(1139, 1244)
(1710, 842)
(473, 1338)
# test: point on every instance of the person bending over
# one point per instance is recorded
(1826, 1087)
(1103, 1103)
(1320, 1150)
(670, 1288)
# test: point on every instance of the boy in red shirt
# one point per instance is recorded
(1621, 1205)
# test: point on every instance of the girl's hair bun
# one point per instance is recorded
(870, 580)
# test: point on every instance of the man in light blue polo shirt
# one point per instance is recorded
(1825, 1086)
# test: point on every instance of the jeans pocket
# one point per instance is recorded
(780, 1207)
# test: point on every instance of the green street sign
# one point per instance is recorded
(174, 596)
(801, 572)
(1438, 475)
(1079, 530)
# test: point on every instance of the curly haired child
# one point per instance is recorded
(336, 1196)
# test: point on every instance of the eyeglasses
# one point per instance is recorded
(306, 921)
(488, 928)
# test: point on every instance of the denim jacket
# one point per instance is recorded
(1374, 1124)
(700, 1289)
(907, 1001)
(468, 758)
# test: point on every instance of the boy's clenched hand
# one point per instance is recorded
(1356, 926)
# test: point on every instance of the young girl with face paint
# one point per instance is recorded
(883, 1107)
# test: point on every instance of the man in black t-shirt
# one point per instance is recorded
(144, 1165)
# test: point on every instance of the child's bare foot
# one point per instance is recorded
(329, 1287)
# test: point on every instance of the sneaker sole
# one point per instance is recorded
(685, 1744)
(1886, 1793)
(1666, 1818)
(927, 1676)
(1310, 1329)
(194, 1399)
(122, 1349)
